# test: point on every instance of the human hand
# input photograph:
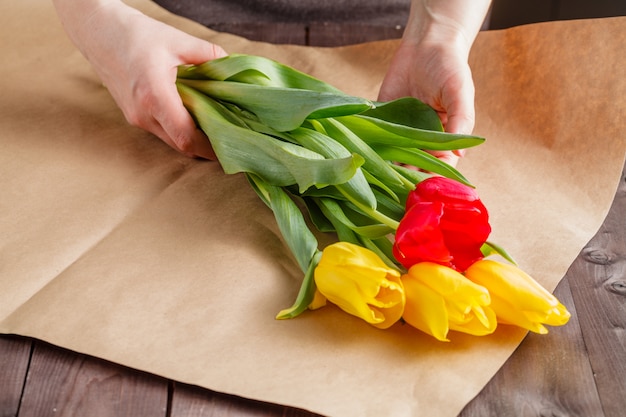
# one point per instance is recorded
(431, 62)
(439, 76)
(137, 57)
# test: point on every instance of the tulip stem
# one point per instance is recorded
(373, 213)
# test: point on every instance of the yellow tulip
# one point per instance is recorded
(439, 299)
(360, 283)
(516, 297)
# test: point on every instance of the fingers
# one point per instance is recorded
(184, 136)
(200, 52)
(459, 107)
(460, 114)
(450, 157)
(459, 121)
(172, 122)
(137, 58)
(180, 131)
(159, 109)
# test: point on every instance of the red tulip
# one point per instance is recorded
(445, 222)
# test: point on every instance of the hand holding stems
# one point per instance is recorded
(431, 62)
(137, 57)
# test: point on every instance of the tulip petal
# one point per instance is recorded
(453, 302)
(319, 301)
(347, 294)
(516, 297)
(482, 322)
(507, 313)
(442, 189)
(360, 283)
(484, 316)
(419, 237)
(445, 222)
(452, 285)
(393, 303)
(511, 283)
(425, 309)
(558, 316)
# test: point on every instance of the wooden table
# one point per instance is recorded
(578, 369)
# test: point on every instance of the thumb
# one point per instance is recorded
(201, 51)
(460, 123)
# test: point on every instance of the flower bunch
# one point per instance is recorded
(448, 283)
(411, 241)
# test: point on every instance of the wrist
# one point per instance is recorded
(449, 24)
(80, 19)
(95, 26)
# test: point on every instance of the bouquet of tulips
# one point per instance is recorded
(412, 242)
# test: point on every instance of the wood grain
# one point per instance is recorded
(14, 361)
(63, 383)
(548, 375)
(599, 291)
(580, 368)
(190, 401)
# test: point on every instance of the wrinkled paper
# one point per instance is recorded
(114, 245)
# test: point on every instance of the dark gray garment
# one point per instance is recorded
(212, 12)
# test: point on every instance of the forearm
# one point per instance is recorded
(452, 22)
(137, 58)
(85, 21)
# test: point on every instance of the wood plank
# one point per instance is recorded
(548, 375)
(14, 360)
(64, 383)
(599, 291)
(192, 401)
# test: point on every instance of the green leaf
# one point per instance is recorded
(413, 175)
(384, 249)
(280, 163)
(381, 246)
(281, 108)
(407, 111)
(306, 294)
(318, 142)
(357, 187)
(290, 220)
(333, 209)
(344, 233)
(299, 239)
(255, 70)
(389, 206)
(330, 192)
(319, 220)
(374, 164)
(490, 248)
(380, 132)
(421, 159)
(381, 185)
